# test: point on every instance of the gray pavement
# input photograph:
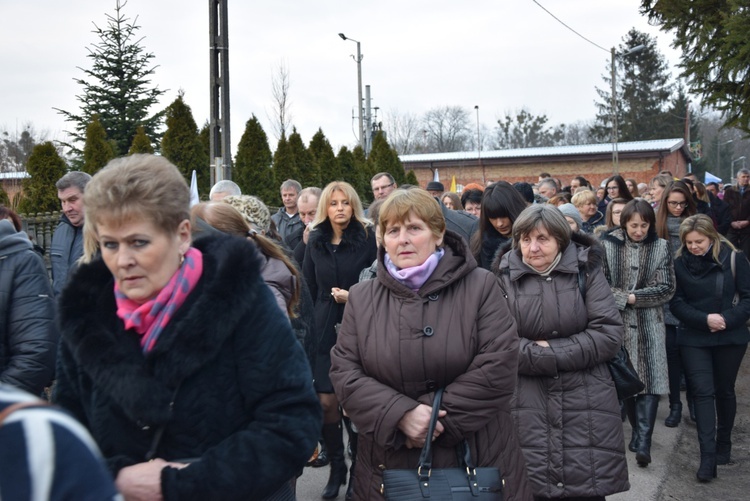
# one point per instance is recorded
(645, 483)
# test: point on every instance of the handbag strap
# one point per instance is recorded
(425, 458)
(18, 406)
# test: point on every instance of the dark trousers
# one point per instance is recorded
(740, 240)
(711, 373)
(674, 364)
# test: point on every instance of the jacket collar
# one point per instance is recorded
(111, 356)
(12, 241)
(354, 236)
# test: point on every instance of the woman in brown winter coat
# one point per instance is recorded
(431, 319)
(565, 407)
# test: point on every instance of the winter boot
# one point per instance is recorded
(707, 470)
(646, 407)
(333, 438)
(353, 440)
(726, 409)
(630, 411)
(675, 415)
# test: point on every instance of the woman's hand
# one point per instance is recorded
(142, 481)
(716, 322)
(339, 295)
(631, 298)
(415, 424)
(542, 342)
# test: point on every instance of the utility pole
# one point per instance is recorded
(358, 60)
(220, 145)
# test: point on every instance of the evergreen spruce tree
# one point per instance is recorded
(362, 167)
(97, 151)
(411, 178)
(325, 160)
(350, 174)
(643, 91)
(252, 169)
(117, 87)
(141, 143)
(307, 171)
(383, 158)
(182, 146)
(45, 166)
(205, 136)
(284, 167)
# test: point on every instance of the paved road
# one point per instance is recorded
(671, 475)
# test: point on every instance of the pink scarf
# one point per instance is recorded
(415, 277)
(150, 318)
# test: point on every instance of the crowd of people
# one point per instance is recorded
(215, 351)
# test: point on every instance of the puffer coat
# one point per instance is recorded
(646, 270)
(565, 406)
(28, 334)
(225, 382)
(396, 347)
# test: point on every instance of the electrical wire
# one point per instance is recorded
(571, 29)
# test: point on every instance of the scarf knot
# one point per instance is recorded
(150, 318)
(414, 277)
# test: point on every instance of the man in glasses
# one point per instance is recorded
(382, 185)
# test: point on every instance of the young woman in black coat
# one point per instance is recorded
(174, 355)
(713, 334)
(340, 245)
(501, 206)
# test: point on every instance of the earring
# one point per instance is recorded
(182, 258)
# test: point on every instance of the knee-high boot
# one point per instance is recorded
(645, 409)
(354, 438)
(333, 438)
(629, 404)
(725, 413)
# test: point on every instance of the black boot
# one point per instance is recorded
(707, 470)
(353, 440)
(645, 409)
(332, 435)
(726, 409)
(675, 415)
(322, 459)
(630, 411)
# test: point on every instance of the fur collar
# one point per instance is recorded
(353, 239)
(589, 253)
(112, 357)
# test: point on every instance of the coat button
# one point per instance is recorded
(433, 297)
(428, 331)
(381, 466)
(549, 279)
(560, 485)
(554, 333)
(430, 385)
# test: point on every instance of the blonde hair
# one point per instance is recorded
(358, 213)
(401, 203)
(703, 224)
(583, 197)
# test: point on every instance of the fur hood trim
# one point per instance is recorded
(109, 355)
(353, 239)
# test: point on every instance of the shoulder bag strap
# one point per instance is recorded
(425, 459)
(582, 282)
(17, 406)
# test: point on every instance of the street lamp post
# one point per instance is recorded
(613, 54)
(718, 156)
(358, 59)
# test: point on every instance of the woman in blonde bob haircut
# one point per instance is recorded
(705, 226)
(358, 212)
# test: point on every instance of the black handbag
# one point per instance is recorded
(464, 483)
(624, 375)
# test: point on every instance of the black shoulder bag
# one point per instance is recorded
(464, 483)
(624, 375)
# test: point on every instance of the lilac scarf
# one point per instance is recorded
(415, 277)
(150, 318)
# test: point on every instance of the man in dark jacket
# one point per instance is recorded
(739, 206)
(67, 241)
(28, 336)
(287, 218)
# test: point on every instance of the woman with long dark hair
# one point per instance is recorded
(615, 187)
(501, 205)
(675, 205)
(713, 304)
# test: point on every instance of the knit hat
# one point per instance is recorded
(252, 209)
(571, 211)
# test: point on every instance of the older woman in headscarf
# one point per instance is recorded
(431, 319)
(565, 406)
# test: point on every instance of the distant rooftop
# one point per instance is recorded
(14, 175)
(670, 145)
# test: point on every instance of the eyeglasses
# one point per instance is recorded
(677, 204)
(609, 188)
(381, 188)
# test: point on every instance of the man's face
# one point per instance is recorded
(435, 193)
(307, 209)
(743, 178)
(382, 187)
(547, 190)
(289, 198)
(575, 183)
(712, 188)
(71, 200)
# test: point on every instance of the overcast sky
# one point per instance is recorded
(418, 54)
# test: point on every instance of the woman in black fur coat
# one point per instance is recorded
(340, 245)
(175, 355)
